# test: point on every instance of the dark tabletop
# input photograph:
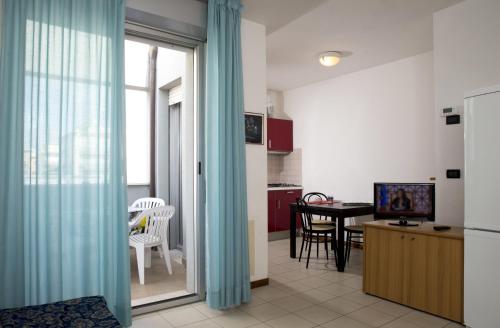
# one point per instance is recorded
(339, 208)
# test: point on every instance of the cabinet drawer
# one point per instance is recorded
(291, 194)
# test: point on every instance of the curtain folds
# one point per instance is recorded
(63, 228)
(227, 271)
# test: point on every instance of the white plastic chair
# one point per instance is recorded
(155, 234)
(144, 204)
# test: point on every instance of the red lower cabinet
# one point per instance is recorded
(271, 204)
(279, 209)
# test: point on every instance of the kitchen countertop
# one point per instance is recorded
(285, 188)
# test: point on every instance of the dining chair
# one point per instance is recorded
(143, 204)
(313, 197)
(148, 202)
(310, 230)
(318, 197)
(354, 234)
(154, 235)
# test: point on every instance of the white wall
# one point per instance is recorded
(372, 125)
(253, 46)
(136, 192)
(466, 57)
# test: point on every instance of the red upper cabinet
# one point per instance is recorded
(279, 135)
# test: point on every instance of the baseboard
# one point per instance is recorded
(259, 283)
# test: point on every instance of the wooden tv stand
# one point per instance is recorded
(416, 266)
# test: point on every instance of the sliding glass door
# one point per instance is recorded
(162, 163)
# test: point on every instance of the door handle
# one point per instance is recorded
(402, 236)
(290, 192)
(270, 143)
(279, 204)
(413, 238)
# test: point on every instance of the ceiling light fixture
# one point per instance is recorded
(330, 58)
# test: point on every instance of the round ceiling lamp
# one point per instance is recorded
(330, 58)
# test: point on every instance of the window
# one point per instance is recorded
(138, 112)
(62, 142)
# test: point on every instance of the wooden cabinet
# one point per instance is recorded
(384, 256)
(279, 135)
(278, 209)
(420, 268)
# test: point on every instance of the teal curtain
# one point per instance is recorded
(227, 271)
(63, 228)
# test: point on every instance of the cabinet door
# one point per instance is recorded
(271, 211)
(416, 270)
(279, 135)
(282, 212)
(284, 199)
(291, 198)
(443, 278)
(384, 263)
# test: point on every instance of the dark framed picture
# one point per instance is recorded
(254, 128)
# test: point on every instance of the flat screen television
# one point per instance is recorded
(404, 200)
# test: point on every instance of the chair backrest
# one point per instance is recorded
(315, 196)
(157, 220)
(305, 213)
(148, 202)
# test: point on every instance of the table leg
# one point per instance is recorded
(293, 231)
(334, 221)
(340, 245)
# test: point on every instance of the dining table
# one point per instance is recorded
(336, 211)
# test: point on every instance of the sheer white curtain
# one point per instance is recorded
(62, 169)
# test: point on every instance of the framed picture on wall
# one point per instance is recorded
(254, 128)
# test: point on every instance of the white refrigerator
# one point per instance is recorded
(482, 208)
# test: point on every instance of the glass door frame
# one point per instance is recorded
(140, 31)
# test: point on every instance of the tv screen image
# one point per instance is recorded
(396, 200)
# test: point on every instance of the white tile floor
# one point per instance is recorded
(299, 298)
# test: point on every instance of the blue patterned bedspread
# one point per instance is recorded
(79, 312)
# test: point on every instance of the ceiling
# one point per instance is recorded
(374, 31)
(274, 14)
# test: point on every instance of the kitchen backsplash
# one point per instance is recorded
(285, 168)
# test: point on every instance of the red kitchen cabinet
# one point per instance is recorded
(279, 209)
(279, 135)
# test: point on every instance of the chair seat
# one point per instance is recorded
(146, 239)
(321, 228)
(354, 228)
(322, 222)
